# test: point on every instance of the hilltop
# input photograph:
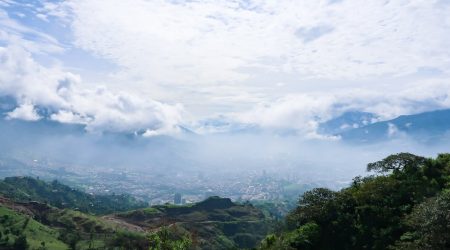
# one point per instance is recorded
(427, 127)
(216, 223)
(57, 217)
(41, 224)
(61, 196)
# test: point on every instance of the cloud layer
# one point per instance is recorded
(278, 64)
(304, 112)
(202, 46)
(64, 97)
(207, 42)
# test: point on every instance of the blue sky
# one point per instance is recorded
(152, 65)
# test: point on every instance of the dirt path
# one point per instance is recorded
(122, 224)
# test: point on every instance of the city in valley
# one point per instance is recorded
(161, 186)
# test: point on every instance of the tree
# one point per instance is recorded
(305, 237)
(129, 240)
(313, 206)
(165, 240)
(400, 208)
(430, 222)
(21, 243)
(396, 162)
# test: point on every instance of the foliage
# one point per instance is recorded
(215, 223)
(128, 240)
(56, 194)
(18, 231)
(405, 206)
(165, 239)
(429, 224)
(397, 162)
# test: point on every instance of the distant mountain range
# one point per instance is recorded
(352, 126)
(346, 122)
(424, 127)
(356, 126)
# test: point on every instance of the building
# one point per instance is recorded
(177, 199)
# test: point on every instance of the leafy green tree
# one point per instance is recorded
(128, 240)
(430, 222)
(314, 205)
(400, 207)
(165, 240)
(21, 243)
(305, 237)
(397, 162)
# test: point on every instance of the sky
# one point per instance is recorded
(154, 65)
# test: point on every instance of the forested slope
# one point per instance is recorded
(405, 204)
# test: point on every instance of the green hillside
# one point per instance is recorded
(15, 227)
(56, 194)
(63, 228)
(405, 204)
(217, 223)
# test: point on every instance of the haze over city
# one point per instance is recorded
(175, 101)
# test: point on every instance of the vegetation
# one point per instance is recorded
(215, 223)
(169, 239)
(404, 205)
(18, 231)
(53, 228)
(26, 189)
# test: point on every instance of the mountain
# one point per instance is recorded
(17, 226)
(32, 211)
(425, 127)
(41, 226)
(25, 189)
(223, 125)
(218, 223)
(347, 121)
(7, 104)
(72, 144)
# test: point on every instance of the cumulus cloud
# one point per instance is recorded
(24, 112)
(69, 101)
(299, 62)
(194, 50)
(62, 95)
(304, 112)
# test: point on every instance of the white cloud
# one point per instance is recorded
(65, 116)
(63, 94)
(304, 112)
(210, 42)
(228, 55)
(392, 130)
(24, 112)
(299, 62)
(42, 17)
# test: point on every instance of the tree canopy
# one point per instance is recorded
(404, 204)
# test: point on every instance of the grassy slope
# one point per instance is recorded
(57, 226)
(34, 231)
(216, 223)
(62, 196)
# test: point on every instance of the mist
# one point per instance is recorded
(227, 154)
